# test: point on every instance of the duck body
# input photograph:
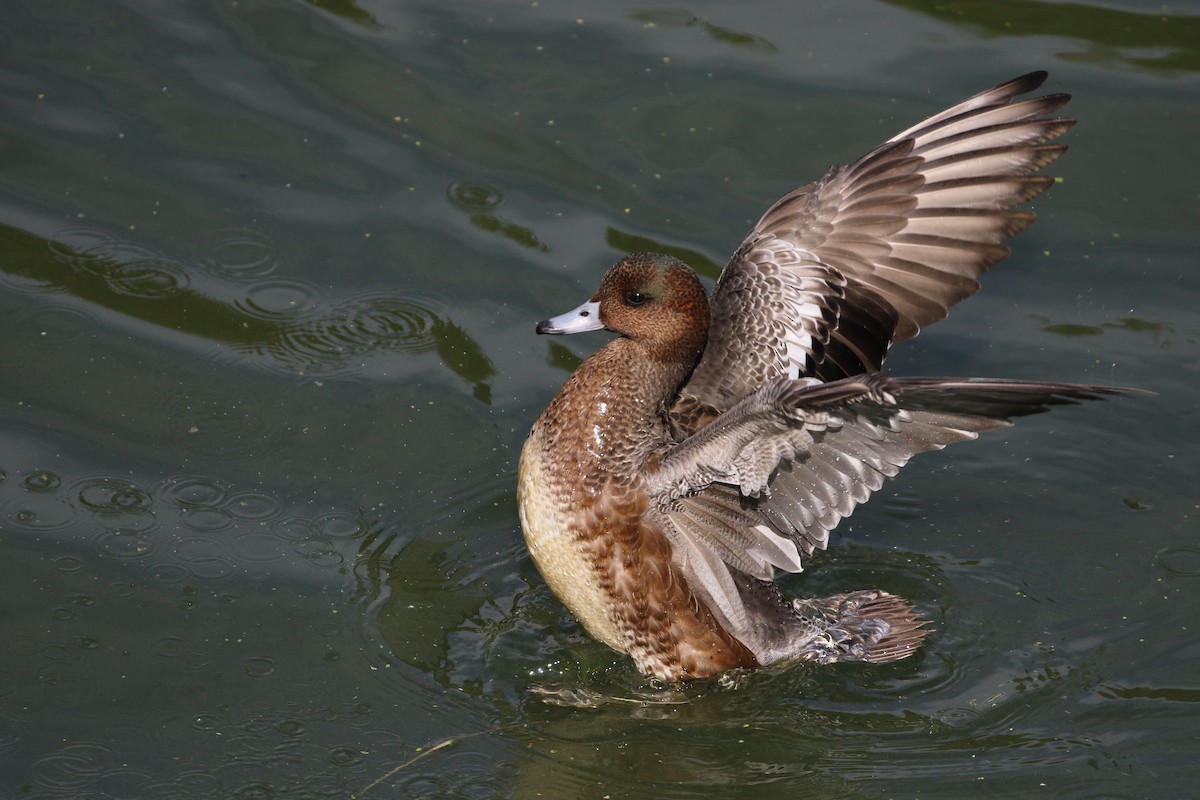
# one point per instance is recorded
(592, 529)
(715, 443)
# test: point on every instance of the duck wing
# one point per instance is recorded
(770, 477)
(838, 270)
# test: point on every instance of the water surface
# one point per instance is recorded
(268, 278)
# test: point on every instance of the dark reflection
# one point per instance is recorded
(632, 243)
(464, 357)
(428, 598)
(1117, 36)
(1159, 330)
(1167, 694)
(560, 357)
(101, 280)
(1072, 329)
(476, 200)
(679, 18)
(283, 320)
(347, 9)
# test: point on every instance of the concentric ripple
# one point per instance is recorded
(127, 268)
(182, 530)
(1179, 561)
(240, 253)
(361, 325)
(65, 323)
(279, 300)
(473, 196)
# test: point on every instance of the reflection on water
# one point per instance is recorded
(670, 18)
(285, 319)
(1148, 39)
(268, 280)
(476, 200)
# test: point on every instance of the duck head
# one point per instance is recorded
(651, 298)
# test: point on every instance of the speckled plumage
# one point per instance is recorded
(686, 461)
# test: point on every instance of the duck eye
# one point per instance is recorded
(636, 298)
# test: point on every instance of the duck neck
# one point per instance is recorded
(641, 379)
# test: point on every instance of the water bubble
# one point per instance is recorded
(42, 481)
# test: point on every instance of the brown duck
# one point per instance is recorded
(715, 442)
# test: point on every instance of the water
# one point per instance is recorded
(268, 277)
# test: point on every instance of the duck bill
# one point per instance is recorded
(577, 320)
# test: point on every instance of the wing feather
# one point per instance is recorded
(838, 270)
(772, 476)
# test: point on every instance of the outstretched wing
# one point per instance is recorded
(838, 270)
(780, 469)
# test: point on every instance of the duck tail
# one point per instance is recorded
(870, 625)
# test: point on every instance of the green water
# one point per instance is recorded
(268, 279)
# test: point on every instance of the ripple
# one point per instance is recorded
(318, 551)
(258, 666)
(277, 300)
(473, 196)
(194, 492)
(346, 756)
(1181, 561)
(206, 723)
(44, 514)
(68, 564)
(123, 545)
(76, 241)
(290, 727)
(207, 520)
(170, 646)
(205, 558)
(153, 278)
(112, 495)
(169, 574)
(253, 506)
(259, 548)
(212, 421)
(293, 529)
(361, 325)
(341, 526)
(42, 481)
(72, 767)
(127, 268)
(117, 504)
(241, 253)
(65, 323)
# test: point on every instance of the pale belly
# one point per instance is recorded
(564, 560)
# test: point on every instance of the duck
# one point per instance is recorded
(716, 441)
